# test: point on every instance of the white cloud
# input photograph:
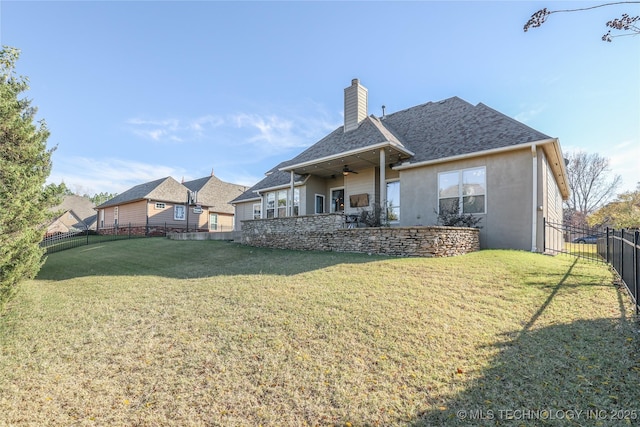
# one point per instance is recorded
(90, 176)
(529, 113)
(624, 162)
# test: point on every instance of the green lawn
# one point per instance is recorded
(158, 332)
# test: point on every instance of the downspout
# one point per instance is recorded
(383, 186)
(534, 201)
(291, 195)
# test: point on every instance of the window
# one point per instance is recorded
(257, 210)
(179, 212)
(101, 217)
(296, 201)
(278, 203)
(213, 221)
(337, 200)
(282, 203)
(393, 201)
(319, 204)
(115, 216)
(160, 205)
(271, 205)
(464, 190)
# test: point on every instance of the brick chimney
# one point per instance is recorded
(355, 105)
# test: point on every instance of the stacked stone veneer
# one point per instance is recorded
(327, 233)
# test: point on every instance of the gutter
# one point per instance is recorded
(348, 153)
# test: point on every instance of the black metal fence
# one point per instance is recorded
(618, 248)
(581, 242)
(61, 241)
(621, 249)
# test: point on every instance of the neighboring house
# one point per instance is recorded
(416, 161)
(203, 202)
(75, 213)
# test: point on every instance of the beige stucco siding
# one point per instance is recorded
(244, 211)
(507, 222)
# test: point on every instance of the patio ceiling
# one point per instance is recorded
(356, 161)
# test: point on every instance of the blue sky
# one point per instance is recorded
(135, 91)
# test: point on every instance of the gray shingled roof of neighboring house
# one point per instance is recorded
(82, 208)
(163, 189)
(215, 193)
(435, 130)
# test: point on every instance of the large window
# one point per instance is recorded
(278, 203)
(463, 190)
(393, 201)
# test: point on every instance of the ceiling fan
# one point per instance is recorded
(346, 171)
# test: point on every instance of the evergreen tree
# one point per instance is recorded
(25, 164)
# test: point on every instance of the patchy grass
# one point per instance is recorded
(160, 332)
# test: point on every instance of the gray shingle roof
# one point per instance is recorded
(163, 190)
(435, 130)
(454, 127)
(215, 193)
(82, 207)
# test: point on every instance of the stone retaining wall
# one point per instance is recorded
(327, 233)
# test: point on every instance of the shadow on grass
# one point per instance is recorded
(582, 373)
(186, 260)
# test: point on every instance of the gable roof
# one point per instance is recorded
(431, 131)
(454, 127)
(81, 207)
(215, 193)
(163, 189)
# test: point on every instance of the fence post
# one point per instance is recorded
(607, 246)
(621, 272)
(635, 270)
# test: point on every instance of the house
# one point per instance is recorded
(198, 205)
(418, 161)
(75, 213)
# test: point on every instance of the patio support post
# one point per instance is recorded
(383, 186)
(291, 195)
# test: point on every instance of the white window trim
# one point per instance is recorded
(253, 212)
(460, 195)
(344, 195)
(175, 211)
(210, 223)
(160, 205)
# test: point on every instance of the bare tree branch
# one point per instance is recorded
(624, 23)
